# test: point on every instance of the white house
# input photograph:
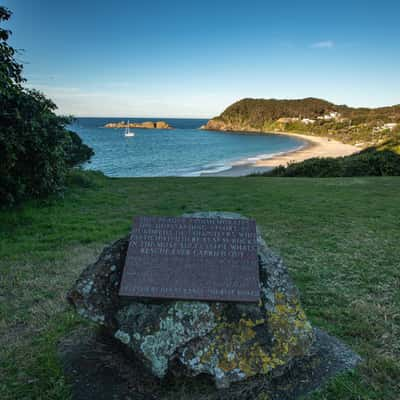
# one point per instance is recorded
(329, 116)
(287, 120)
(390, 126)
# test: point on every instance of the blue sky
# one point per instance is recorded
(193, 58)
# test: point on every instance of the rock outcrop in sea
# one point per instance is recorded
(140, 125)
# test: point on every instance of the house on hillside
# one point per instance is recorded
(330, 116)
(287, 120)
(308, 121)
(389, 126)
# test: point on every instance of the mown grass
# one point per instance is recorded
(339, 237)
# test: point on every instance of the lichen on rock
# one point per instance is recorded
(165, 330)
(230, 342)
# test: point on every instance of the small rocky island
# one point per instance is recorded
(140, 125)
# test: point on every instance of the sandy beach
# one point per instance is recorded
(314, 146)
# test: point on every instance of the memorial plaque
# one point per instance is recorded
(212, 259)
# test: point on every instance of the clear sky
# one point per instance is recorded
(184, 58)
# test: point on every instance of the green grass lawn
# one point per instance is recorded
(340, 238)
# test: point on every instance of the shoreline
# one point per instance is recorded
(314, 146)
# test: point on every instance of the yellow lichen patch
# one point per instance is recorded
(288, 324)
(301, 319)
(255, 361)
(206, 357)
(279, 297)
(230, 351)
(235, 345)
(227, 363)
(240, 352)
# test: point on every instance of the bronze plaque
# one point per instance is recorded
(212, 259)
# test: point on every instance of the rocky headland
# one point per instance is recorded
(362, 127)
(139, 125)
(217, 124)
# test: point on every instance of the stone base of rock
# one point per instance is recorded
(155, 348)
(97, 368)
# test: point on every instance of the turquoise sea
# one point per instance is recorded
(184, 151)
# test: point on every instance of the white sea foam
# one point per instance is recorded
(227, 165)
(209, 169)
(254, 159)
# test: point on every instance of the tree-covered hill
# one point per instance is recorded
(258, 110)
(367, 126)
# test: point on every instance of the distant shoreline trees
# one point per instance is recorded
(36, 149)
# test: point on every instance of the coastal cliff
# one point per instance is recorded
(217, 124)
(140, 125)
(361, 126)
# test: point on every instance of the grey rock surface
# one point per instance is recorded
(229, 342)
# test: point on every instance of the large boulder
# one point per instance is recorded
(228, 341)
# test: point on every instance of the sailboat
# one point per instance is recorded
(128, 133)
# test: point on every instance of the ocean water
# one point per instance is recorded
(184, 151)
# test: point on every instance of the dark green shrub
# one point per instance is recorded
(370, 162)
(373, 163)
(35, 147)
(76, 152)
(32, 140)
(83, 179)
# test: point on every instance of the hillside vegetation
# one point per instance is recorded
(362, 126)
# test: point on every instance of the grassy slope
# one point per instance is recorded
(339, 238)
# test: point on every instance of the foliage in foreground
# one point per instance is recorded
(35, 147)
(370, 162)
(76, 152)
